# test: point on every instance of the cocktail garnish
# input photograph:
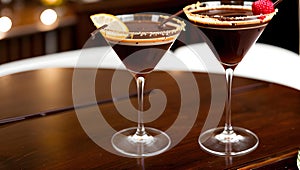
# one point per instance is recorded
(94, 33)
(262, 7)
(277, 2)
(171, 17)
(107, 21)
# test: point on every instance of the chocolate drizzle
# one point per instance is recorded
(218, 15)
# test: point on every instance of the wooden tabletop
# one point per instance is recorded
(39, 127)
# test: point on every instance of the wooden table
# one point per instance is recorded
(51, 136)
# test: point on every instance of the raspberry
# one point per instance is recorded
(262, 7)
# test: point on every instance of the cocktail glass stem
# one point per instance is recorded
(229, 77)
(228, 140)
(140, 83)
(141, 141)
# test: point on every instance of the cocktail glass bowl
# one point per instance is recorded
(140, 49)
(230, 29)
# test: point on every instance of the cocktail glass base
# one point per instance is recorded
(235, 142)
(130, 144)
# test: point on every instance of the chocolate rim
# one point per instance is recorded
(225, 21)
(178, 24)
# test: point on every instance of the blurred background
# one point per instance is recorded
(30, 28)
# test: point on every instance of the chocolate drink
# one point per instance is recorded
(231, 31)
(140, 53)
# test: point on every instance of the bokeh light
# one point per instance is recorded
(48, 17)
(5, 24)
(52, 2)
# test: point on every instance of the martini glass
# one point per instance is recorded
(231, 29)
(140, 50)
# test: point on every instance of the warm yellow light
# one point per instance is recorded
(48, 17)
(5, 24)
(52, 2)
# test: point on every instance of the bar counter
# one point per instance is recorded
(41, 130)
